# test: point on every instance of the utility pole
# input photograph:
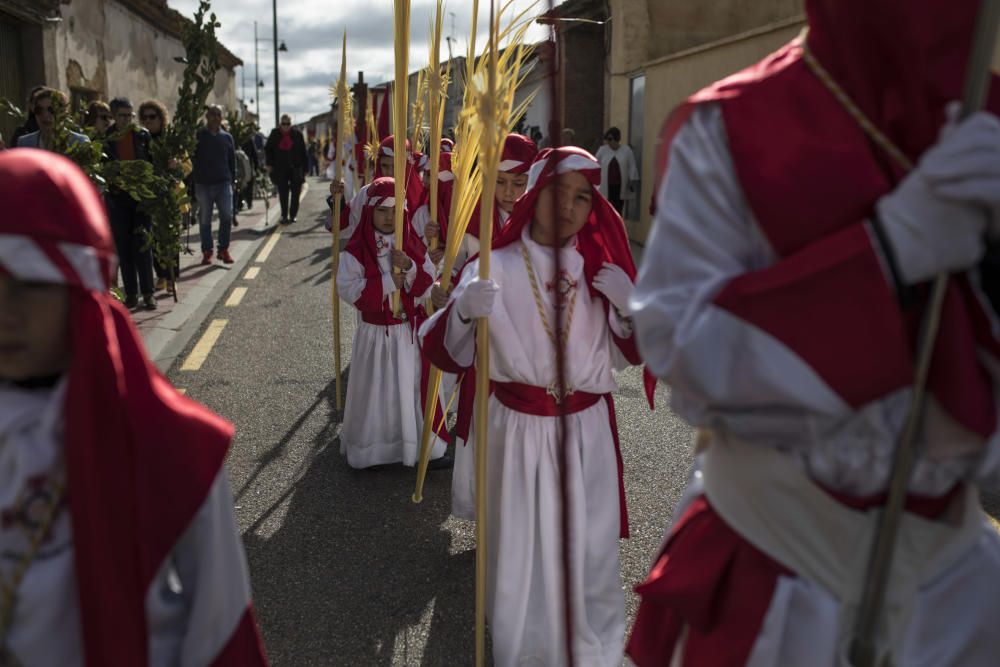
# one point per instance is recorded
(274, 13)
(256, 72)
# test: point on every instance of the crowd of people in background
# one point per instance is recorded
(220, 176)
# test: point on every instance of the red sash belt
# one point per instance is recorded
(537, 401)
(380, 319)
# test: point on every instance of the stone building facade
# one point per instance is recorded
(99, 49)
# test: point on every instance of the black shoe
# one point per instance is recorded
(148, 302)
(446, 462)
(236, 223)
(283, 221)
(131, 301)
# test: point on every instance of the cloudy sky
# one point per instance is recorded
(312, 30)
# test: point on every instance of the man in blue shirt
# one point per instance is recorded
(214, 173)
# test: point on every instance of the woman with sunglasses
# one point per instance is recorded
(99, 117)
(43, 106)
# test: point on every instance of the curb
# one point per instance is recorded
(164, 349)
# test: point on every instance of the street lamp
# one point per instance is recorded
(274, 17)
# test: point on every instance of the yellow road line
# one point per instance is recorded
(182, 392)
(251, 273)
(269, 246)
(204, 346)
(996, 524)
(236, 297)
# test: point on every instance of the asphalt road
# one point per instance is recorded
(346, 569)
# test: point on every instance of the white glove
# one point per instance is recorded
(476, 300)
(936, 218)
(614, 283)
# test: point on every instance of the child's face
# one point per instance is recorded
(385, 219)
(34, 329)
(562, 209)
(509, 188)
(387, 165)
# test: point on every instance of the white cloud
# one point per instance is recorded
(312, 30)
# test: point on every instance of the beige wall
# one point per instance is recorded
(682, 24)
(102, 46)
(671, 80)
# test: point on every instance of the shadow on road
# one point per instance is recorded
(357, 574)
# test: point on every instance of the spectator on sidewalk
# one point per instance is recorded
(287, 162)
(44, 116)
(130, 226)
(313, 160)
(619, 173)
(249, 147)
(99, 117)
(214, 173)
(154, 117)
(30, 124)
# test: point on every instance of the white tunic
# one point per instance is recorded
(383, 414)
(524, 545)
(738, 380)
(197, 598)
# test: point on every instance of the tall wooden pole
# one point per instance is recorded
(400, 95)
(343, 105)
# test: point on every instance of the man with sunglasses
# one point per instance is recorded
(214, 174)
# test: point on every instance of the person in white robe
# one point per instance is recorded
(524, 547)
(779, 298)
(118, 540)
(383, 414)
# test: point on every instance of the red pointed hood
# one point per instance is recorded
(140, 457)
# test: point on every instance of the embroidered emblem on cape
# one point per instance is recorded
(31, 507)
(563, 285)
(381, 244)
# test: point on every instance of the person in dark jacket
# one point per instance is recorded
(214, 174)
(129, 225)
(287, 161)
(31, 124)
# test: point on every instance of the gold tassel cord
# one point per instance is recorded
(401, 32)
(344, 115)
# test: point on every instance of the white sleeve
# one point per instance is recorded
(719, 367)
(420, 220)
(459, 338)
(351, 279)
(357, 203)
(206, 576)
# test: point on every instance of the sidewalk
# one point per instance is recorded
(167, 330)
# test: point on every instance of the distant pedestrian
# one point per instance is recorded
(312, 156)
(287, 161)
(619, 173)
(214, 174)
(567, 137)
(130, 226)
